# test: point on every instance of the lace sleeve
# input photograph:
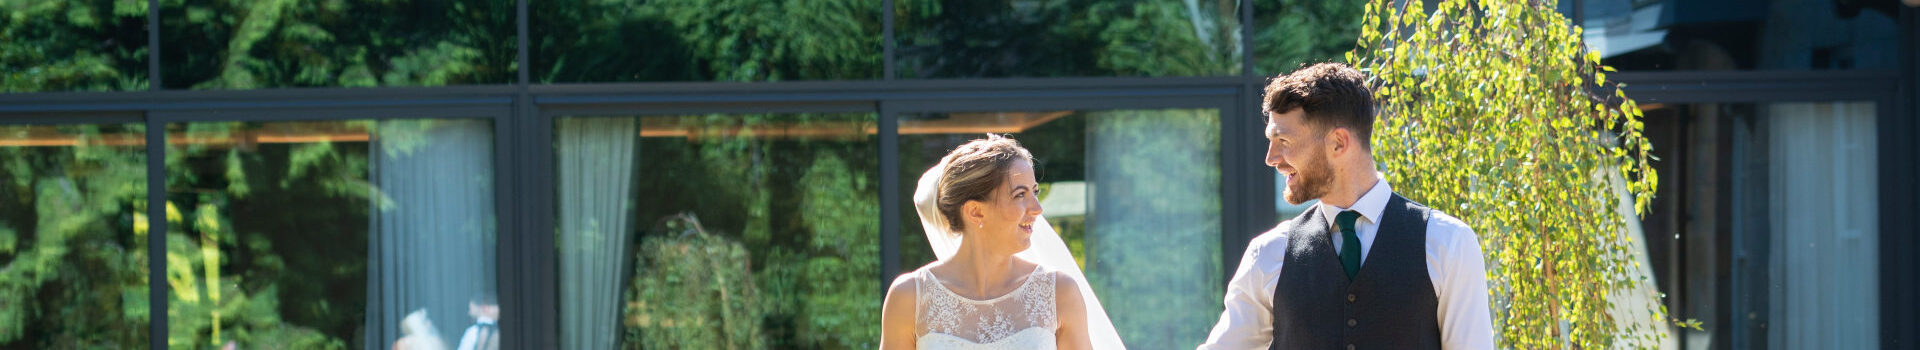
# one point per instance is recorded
(1042, 302)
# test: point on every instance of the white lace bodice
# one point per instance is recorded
(1024, 318)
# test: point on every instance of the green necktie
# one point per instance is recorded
(1350, 254)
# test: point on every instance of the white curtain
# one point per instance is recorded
(431, 245)
(596, 164)
(1825, 225)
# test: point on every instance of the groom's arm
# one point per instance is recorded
(1247, 322)
(1465, 320)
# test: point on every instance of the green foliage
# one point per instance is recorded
(73, 234)
(692, 290)
(706, 40)
(946, 39)
(1290, 33)
(804, 207)
(1490, 109)
(66, 264)
(838, 206)
(231, 315)
(72, 45)
(247, 44)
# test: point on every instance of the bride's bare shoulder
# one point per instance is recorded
(902, 299)
(906, 284)
(897, 313)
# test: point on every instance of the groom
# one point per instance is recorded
(1363, 269)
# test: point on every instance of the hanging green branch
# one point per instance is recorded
(1489, 110)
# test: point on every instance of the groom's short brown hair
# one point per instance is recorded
(1333, 95)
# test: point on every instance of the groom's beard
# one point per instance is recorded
(1311, 182)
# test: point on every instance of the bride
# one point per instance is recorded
(1004, 280)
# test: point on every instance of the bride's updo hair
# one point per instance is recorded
(974, 171)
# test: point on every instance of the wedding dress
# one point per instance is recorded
(1024, 318)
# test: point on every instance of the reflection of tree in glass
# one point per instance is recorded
(799, 191)
(706, 40)
(691, 290)
(72, 258)
(244, 250)
(69, 45)
(947, 39)
(82, 260)
(291, 43)
(244, 266)
(1289, 33)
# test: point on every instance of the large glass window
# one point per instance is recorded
(1744, 35)
(1134, 193)
(719, 231)
(1766, 225)
(73, 45)
(1029, 38)
(73, 243)
(578, 41)
(245, 44)
(371, 234)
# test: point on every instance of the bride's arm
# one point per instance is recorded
(1073, 314)
(897, 315)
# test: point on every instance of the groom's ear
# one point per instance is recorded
(1339, 141)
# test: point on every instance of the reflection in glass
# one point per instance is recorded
(1743, 35)
(73, 258)
(577, 41)
(1289, 34)
(1824, 225)
(1769, 235)
(1134, 193)
(309, 235)
(246, 44)
(719, 231)
(73, 45)
(1155, 38)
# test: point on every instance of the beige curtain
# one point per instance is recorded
(1825, 226)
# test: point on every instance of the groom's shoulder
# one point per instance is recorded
(1444, 230)
(1437, 218)
(1275, 239)
(1445, 223)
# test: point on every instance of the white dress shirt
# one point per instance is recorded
(473, 340)
(1453, 262)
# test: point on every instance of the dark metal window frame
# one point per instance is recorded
(523, 112)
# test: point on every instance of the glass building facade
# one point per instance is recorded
(594, 174)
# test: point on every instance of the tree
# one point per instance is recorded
(691, 290)
(287, 43)
(72, 45)
(71, 264)
(705, 40)
(1290, 33)
(949, 39)
(1495, 110)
